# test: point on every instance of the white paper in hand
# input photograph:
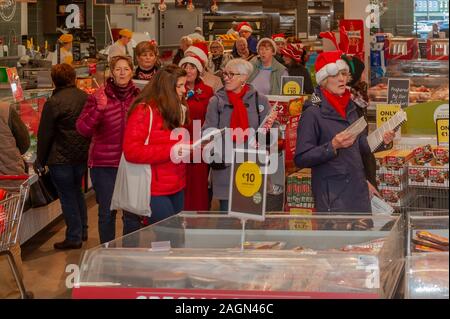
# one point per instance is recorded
(357, 127)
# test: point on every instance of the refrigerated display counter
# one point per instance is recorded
(427, 262)
(195, 255)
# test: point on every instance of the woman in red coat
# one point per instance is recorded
(196, 197)
(164, 95)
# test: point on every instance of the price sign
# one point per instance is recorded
(385, 112)
(292, 85)
(248, 184)
(398, 91)
(442, 131)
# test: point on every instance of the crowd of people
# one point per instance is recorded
(216, 89)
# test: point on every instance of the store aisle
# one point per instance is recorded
(44, 267)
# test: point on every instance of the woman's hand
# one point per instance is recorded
(183, 150)
(343, 140)
(388, 137)
(372, 190)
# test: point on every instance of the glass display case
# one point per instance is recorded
(427, 262)
(194, 255)
(429, 80)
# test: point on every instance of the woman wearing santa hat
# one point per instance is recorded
(266, 77)
(200, 50)
(245, 31)
(280, 41)
(293, 55)
(196, 196)
(338, 179)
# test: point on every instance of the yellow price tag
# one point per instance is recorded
(300, 224)
(248, 179)
(442, 131)
(385, 112)
(291, 88)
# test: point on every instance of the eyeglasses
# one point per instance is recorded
(229, 75)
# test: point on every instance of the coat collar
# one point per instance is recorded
(327, 110)
(222, 94)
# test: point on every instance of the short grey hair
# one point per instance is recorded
(242, 66)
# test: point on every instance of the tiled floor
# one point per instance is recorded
(45, 268)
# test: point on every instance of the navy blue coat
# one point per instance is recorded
(338, 178)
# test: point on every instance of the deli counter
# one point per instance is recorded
(286, 256)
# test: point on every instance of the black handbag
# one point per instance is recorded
(43, 192)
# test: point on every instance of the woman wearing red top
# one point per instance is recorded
(165, 96)
(196, 197)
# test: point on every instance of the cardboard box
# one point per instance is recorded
(392, 181)
(423, 155)
(380, 158)
(438, 176)
(393, 198)
(418, 176)
(440, 155)
(398, 158)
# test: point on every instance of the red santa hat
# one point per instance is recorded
(279, 37)
(244, 26)
(200, 50)
(195, 60)
(329, 64)
(294, 51)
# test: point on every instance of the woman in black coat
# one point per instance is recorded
(65, 152)
(294, 59)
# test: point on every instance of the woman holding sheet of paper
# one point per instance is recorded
(327, 144)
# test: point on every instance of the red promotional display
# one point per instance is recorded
(154, 293)
(401, 49)
(352, 37)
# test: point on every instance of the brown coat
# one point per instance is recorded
(15, 141)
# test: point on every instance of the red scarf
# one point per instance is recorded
(239, 117)
(339, 103)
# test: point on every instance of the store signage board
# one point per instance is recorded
(86, 292)
(398, 92)
(248, 184)
(442, 131)
(292, 85)
(385, 112)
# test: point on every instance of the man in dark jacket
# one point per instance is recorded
(15, 141)
(65, 152)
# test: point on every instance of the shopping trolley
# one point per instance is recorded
(11, 209)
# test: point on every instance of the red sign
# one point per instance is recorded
(155, 293)
(352, 37)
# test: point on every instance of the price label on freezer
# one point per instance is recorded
(248, 184)
(442, 131)
(248, 179)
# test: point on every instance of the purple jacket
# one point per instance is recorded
(103, 119)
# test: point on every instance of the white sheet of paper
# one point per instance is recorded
(357, 127)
